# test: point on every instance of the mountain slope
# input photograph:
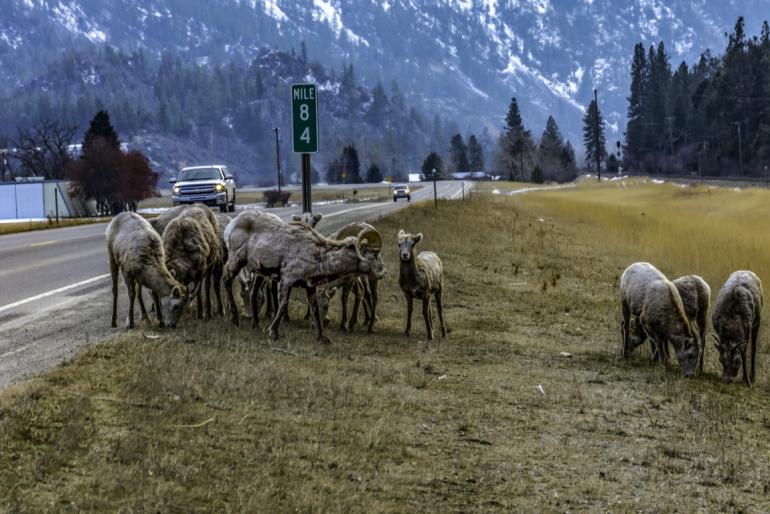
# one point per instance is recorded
(464, 58)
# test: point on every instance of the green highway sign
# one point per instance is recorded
(304, 117)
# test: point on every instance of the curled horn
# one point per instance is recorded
(357, 245)
(372, 236)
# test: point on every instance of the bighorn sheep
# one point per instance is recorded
(696, 297)
(137, 250)
(736, 321)
(194, 254)
(164, 218)
(420, 277)
(363, 287)
(297, 256)
(652, 307)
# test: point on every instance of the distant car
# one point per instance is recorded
(402, 191)
(212, 185)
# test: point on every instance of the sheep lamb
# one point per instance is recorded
(137, 250)
(696, 298)
(420, 277)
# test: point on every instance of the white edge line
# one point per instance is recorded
(370, 206)
(51, 293)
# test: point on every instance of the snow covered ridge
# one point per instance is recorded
(478, 53)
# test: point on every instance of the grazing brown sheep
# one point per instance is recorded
(164, 218)
(194, 254)
(736, 319)
(652, 307)
(420, 277)
(137, 250)
(696, 298)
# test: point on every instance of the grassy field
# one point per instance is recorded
(26, 226)
(369, 194)
(526, 406)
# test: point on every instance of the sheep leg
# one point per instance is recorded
(372, 304)
(440, 310)
(344, 299)
(283, 298)
(199, 301)
(256, 288)
(207, 300)
(218, 289)
(426, 315)
(114, 275)
(745, 367)
(156, 303)
(141, 302)
(357, 293)
(754, 336)
(409, 306)
(625, 329)
(131, 297)
(232, 268)
(312, 301)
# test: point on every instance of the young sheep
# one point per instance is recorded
(696, 297)
(137, 250)
(420, 277)
(194, 254)
(736, 321)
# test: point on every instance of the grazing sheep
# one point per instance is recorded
(736, 321)
(164, 218)
(696, 297)
(298, 256)
(137, 250)
(194, 254)
(652, 308)
(420, 277)
(363, 287)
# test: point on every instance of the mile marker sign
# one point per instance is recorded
(304, 117)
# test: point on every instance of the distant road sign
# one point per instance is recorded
(304, 117)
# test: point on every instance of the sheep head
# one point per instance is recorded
(173, 304)
(307, 219)
(406, 244)
(731, 342)
(370, 250)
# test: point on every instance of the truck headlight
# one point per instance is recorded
(176, 190)
(219, 188)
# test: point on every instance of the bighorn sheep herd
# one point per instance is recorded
(189, 248)
(676, 312)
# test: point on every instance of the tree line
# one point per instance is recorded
(711, 118)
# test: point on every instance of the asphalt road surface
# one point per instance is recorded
(54, 285)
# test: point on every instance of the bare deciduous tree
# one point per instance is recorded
(44, 149)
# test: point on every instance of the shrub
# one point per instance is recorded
(273, 197)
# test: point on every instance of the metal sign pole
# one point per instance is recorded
(307, 204)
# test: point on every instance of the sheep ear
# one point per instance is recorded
(295, 217)
(401, 233)
(173, 273)
(417, 238)
(317, 219)
(176, 292)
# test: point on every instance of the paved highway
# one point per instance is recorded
(54, 285)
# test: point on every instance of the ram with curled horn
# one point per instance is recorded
(298, 257)
(363, 286)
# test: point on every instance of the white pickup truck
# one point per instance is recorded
(212, 185)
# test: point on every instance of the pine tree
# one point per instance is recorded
(514, 143)
(397, 97)
(634, 149)
(593, 139)
(432, 162)
(458, 154)
(551, 142)
(537, 175)
(101, 128)
(475, 154)
(379, 106)
(351, 165)
(373, 174)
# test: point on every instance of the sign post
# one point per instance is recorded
(304, 123)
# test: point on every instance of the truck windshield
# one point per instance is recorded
(200, 174)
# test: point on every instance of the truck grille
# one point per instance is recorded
(196, 190)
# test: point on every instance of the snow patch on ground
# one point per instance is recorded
(658, 181)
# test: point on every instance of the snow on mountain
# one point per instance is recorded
(464, 58)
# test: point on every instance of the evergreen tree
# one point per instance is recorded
(351, 166)
(634, 148)
(593, 136)
(379, 106)
(101, 127)
(458, 154)
(373, 174)
(397, 97)
(612, 165)
(537, 175)
(551, 142)
(514, 144)
(432, 167)
(568, 160)
(475, 154)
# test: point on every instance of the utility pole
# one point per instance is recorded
(740, 150)
(435, 196)
(598, 139)
(278, 160)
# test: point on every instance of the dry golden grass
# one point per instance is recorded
(210, 418)
(15, 228)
